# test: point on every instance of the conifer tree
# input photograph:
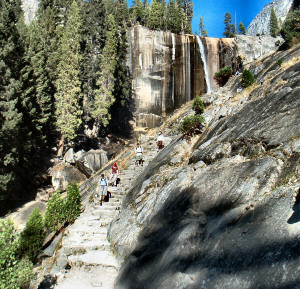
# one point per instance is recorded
(104, 94)
(94, 39)
(187, 7)
(11, 53)
(173, 17)
(201, 28)
(121, 110)
(229, 26)
(68, 83)
(274, 27)
(139, 12)
(242, 29)
(39, 86)
(146, 12)
(156, 17)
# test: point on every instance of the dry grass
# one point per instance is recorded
(290, 63)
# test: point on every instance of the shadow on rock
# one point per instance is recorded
(252, 251)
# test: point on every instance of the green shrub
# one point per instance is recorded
(14, 272)
(291, 27)
(72, 203)
(59, 210)
(198, 105)
(223, 75)
(247, 78)
(33, 236)
(191, 124)
(55, 212)
(279, 62)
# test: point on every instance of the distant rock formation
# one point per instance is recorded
(261, 23)
(29, 7)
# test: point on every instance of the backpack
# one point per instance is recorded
(103, 182)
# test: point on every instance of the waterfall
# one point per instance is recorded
(188, 70)
(202, 52)
(173, 69)
(173, 46)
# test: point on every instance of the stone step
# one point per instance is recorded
(79, 228)
(101, 259)
(88, 278)
(105, 207)
(82, 248)
(87, 235)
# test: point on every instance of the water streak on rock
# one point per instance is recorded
(203, 57)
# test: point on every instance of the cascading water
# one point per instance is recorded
(202, 52)
(173, 70)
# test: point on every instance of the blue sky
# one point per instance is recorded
(213, 12)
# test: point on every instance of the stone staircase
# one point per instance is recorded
(85, 250)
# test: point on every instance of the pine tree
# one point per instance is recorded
(242, 29)
(94, 39)
(187, 7)
(105, 82)
(274, 27)
(173, 17)
(229, 26)
(156, 17)
(68, 83)
(201, 27)
(139, 12)
(11, 53)
(121, 110)
(146, 12)
(39, 86)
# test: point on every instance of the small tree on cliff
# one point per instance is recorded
(291, 27)
(242, 29)
(201, 27)
(223, 75)
(229, 26)
(274, 27)
(247, 78)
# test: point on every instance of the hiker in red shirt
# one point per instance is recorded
(114, 174)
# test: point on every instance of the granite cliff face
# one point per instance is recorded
(168, 70)
(223, 210)
(261, 23)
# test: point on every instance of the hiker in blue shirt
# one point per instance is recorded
(102, 184)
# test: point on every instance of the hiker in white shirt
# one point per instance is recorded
(139, 155)
(160, 141)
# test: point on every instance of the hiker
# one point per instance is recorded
(139, 155)
(114, 174)
(160, 141)
(102, 184)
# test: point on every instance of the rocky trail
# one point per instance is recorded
(85, 249)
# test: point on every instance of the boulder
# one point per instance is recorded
(63, 175)
(70, 156)
(94, 159)
(21, 216)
